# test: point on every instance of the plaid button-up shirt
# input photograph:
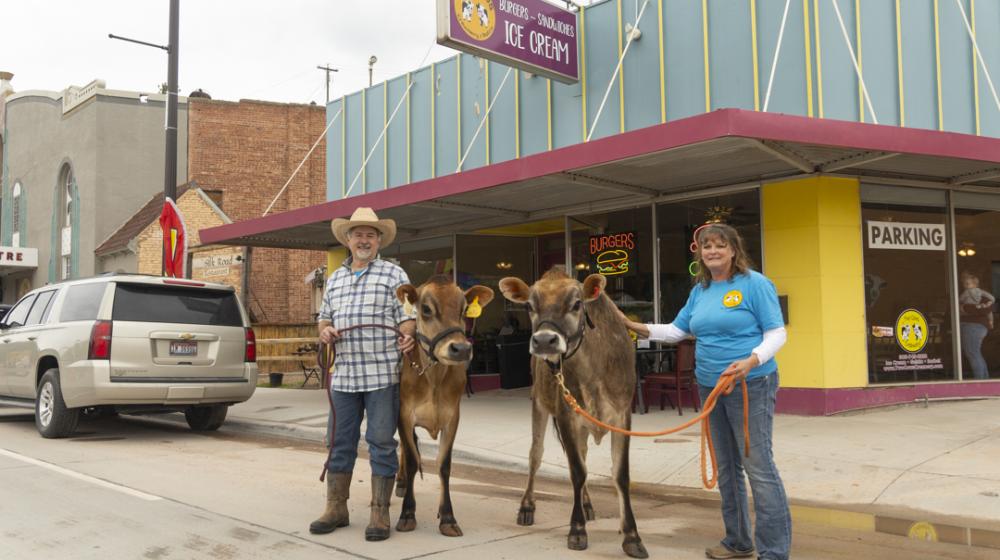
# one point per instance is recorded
(367, 359)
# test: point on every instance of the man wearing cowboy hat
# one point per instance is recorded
(366, 370)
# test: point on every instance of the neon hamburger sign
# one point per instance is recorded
(612, 253)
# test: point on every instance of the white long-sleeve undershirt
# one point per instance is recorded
(772, 341)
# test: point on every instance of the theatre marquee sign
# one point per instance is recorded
(531, 35)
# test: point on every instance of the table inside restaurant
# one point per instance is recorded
(647, 360)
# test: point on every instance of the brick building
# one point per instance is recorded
(245, 151)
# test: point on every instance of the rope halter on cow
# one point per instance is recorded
(577, 337)
(432, 343)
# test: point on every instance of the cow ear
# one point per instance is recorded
(514, 289)
(484, 294)
(593, 285)
(407, 294)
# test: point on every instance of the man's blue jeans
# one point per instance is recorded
(773, 535)
(382, 410)
(972, 346)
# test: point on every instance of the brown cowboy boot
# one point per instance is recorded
(338, 489)
(378, 528)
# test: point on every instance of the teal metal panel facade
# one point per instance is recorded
(374, 175)
(878, 59)
(445, 129)
(988, 37)
(472, 110)
(502, 126)
(693, 56)
(533, 116)
(956, 77)
(421, 136)
(397, 158)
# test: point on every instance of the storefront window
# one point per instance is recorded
(677, 221)
(977, 243)
(620, 246)
(422, 259)
(908, 286)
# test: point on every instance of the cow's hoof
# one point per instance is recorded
(577, 542)
(407, 522)
(634, 548)
(400, 489)
(588, 512)
(526, 516)
(450, 529)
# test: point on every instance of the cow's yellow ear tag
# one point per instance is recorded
(474, 309)
(408, 308)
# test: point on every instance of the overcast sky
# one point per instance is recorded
(247, 49)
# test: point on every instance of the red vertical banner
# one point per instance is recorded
(174, 240)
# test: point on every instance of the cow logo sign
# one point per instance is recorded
(911, 331)
(477, 18)
(732, 298)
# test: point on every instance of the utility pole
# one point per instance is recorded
(328, 70)
(170, 171)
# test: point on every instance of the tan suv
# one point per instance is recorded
(130, 344)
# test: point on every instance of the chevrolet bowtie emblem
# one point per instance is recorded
(186, 336)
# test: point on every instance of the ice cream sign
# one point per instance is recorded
(532, 35)
(612, 253)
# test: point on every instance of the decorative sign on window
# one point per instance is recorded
(532, 35)
(612, 253)
(909, 236)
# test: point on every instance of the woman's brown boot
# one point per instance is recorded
(378, 529)
(338, 489)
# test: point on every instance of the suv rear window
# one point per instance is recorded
(82, 302)
(162, 304)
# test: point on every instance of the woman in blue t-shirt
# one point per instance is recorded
(734, 314)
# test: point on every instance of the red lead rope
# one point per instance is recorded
(324, 359)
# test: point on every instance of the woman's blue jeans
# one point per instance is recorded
(972, 346)
(382, 410)
(773, 535)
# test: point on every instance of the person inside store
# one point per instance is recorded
(734, 314)
(975, 320)
(365, 381)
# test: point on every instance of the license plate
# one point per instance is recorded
(183, 348)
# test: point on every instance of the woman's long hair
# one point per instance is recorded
(728, 235)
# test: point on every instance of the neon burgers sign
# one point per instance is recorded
(612, 253)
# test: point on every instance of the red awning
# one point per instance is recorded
(697, 154)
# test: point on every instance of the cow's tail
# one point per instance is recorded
(420, 462)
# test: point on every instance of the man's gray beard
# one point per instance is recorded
(365, 254)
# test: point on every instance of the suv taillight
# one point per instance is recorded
(100, 341)
(251, 351)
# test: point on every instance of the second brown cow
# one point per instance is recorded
(575, 330)
(431, 387)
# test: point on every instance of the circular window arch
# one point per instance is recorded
(65, 194)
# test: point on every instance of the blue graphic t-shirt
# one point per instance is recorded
(729, 319)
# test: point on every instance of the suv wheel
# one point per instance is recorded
(206, 418)
(52, 418)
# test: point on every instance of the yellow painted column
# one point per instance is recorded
(812, 253)
(334, 258)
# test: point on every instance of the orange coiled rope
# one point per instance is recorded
(725, 386)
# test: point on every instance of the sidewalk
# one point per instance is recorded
(884, 469)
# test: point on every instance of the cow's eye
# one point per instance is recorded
(425, 309)
(577, 305)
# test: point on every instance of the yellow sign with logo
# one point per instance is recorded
(923, 531)
(911, 331)
(732, 298)
(477, 18)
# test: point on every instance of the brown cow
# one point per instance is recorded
(575, 325)
(431, 390)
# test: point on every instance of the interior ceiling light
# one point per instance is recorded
(718, 214)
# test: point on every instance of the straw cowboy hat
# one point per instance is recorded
(363, 217)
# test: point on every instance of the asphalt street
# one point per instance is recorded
(146, 488)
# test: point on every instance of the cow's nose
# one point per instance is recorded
(459, 351)
(545, 340)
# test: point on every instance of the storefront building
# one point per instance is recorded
(882, 239)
